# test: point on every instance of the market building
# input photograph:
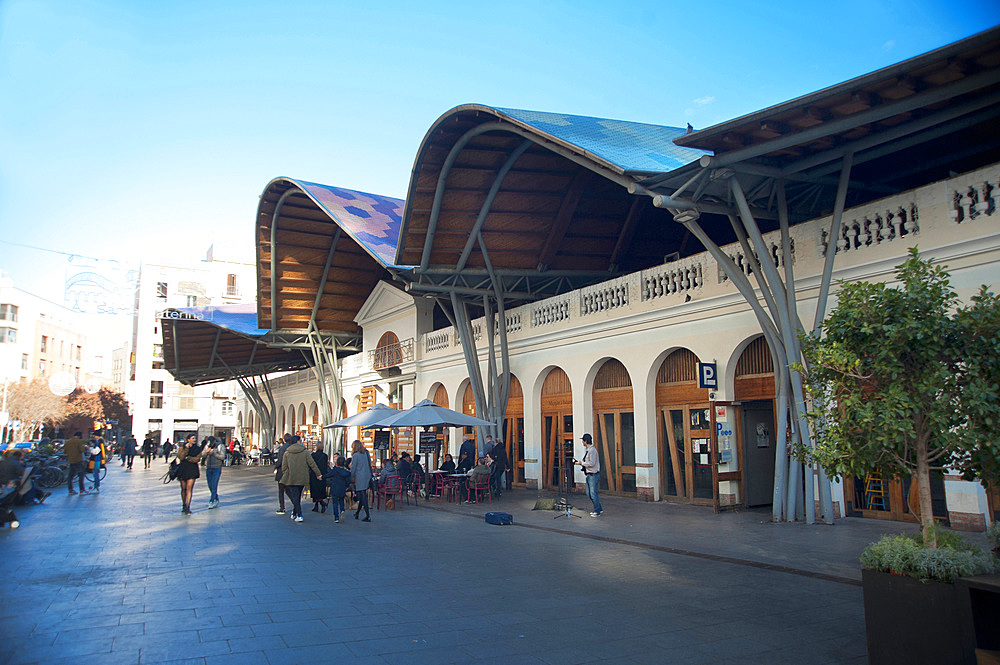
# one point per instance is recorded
(561, 274)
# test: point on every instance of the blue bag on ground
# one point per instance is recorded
(499, 518)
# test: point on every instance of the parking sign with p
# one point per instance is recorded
(706, 376)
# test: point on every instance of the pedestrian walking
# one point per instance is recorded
(215, 459)
(361, 476)
(295, 467)
(188, 457)
(131, 450)
(167, 448)
(148, 446)
(279, 457)
(339, 478)
(98, 457)
(317, 487)
(74, 449)
(591, 464)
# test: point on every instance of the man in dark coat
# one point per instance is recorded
(469, 448)
(499, 455)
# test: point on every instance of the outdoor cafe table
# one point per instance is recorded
(459, 476)
(437, 479)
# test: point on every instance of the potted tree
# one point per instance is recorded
(904, 382)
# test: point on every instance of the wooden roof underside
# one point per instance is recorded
(302, 244)
(550, 214)
(235, 354)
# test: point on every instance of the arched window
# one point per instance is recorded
(388, 352)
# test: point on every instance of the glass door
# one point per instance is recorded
(686, 458)
(615, 442)
(557, 448)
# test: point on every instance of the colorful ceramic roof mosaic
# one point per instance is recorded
(372, 220)
(630, 146)
(241, 318)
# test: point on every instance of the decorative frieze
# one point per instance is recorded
(604, 297)
(973, 202)
(671, 279)
(740, 259)
(873, 228)
(436, 341)
(551, 311)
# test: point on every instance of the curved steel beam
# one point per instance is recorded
(488, 203)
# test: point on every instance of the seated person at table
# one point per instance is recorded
(464, 463)
(388, 469)
(479, 471)
(404, 467)
(448, 464)
(417, 468)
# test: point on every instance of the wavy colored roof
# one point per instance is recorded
(328, 247)
(630, 147)
(372, 220)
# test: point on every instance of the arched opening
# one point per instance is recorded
(388, 353)
(513, 434)
(291, 419)
(754, 389)
(439, 397)
(469, 408)
(683, 430)
(614, 427)
(557, 427)
(313, 430)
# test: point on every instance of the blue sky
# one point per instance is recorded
(139, 130)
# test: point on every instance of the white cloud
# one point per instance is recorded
(702, 101)
(889, 45)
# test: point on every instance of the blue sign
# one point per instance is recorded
(706, 376)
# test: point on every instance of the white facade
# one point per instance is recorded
(162, 406)
(641, 318)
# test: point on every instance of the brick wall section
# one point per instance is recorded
(967, 521)
(644, 493)
(837, 513)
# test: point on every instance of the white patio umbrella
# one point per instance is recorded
(370, 416)
(429, 414)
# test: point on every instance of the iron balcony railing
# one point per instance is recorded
(391, 355)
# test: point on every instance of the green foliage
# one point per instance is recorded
(993, 535)
(904, 379)
(903, 555)
(947, 538)
(884, 374)
(979, 386)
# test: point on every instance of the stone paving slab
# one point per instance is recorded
(123, 577)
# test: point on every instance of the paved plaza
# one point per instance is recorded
(123, 577)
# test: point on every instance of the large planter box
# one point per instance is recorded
(912, 622)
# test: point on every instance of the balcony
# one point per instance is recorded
(390, 355)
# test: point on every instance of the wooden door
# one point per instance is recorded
(677, 395)
(614, 427)
(513, 433)
(557, 427)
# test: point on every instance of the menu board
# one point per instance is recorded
(429, 442)
(381, 439)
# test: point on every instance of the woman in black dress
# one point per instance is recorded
(188, 457)
(317, 488)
